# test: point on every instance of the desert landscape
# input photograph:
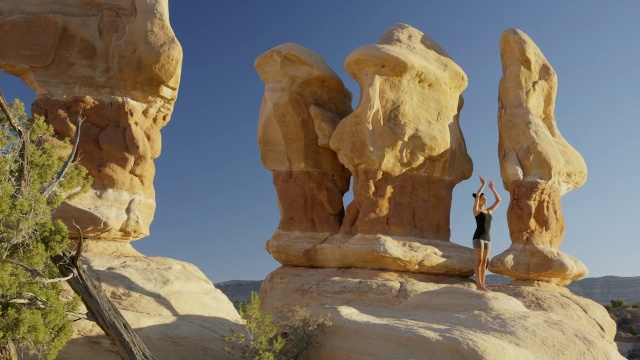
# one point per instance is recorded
(365, 261)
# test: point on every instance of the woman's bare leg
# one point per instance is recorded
(483, 267)
(477, 269)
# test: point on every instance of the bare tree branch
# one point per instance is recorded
(48, 189)
(80, 245)
(23, 134)
(47, 281)
(30, 299)
(34, 272)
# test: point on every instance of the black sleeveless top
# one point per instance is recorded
(483, 225)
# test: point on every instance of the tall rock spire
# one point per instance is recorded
(537, 166)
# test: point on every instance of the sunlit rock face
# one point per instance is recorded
(303, 101)
(537, 165)
(117, 62)
(173, 307)
(397, 315)
(402, 144)
(403, 141)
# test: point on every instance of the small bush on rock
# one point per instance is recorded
(301, 331)
(261, 339)
(618, 303)
(264, 340)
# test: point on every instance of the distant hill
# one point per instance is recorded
(605, 288)
(601, 289)
(239, 291)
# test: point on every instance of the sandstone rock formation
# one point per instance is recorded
(402, 144)
(302, 94)
(537, 166)
(119, 64)
(393, 315)
(174, 308)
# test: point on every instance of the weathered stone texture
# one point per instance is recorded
(119, 63)
(403, 142)
(302, 94)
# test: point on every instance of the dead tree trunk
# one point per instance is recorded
(8, 352)
(108, 316)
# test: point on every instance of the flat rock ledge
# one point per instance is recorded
(538, 263)
(405, 254)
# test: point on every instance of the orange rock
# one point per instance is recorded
(302, 93)
(78, 57)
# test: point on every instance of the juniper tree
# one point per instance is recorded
(35, 177)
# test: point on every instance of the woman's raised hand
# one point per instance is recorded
(491, 185)
(482, 181)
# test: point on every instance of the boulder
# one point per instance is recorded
(537, 166)
(116, 64)
(173, 307)
(395, 315)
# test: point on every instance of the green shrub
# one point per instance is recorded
(608, 307)
(301, 331)
(625, 320)
(260, 339)
(636, 305)
(618, 303)
(33, 318)
(633, 330)
(263, 340)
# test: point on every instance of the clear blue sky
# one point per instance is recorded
(217, 205)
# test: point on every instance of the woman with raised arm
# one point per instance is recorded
(481, 238)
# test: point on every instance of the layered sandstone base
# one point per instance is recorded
(393, 315)
(536, 228)
(372, 252)
(409, 204)
(310, 200)
(127, 216)
(119, 140)
(535, 213)
(536, 262)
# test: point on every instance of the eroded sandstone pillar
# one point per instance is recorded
(117, 62)
(403, 141)
(303, 98)
(537, 166)
(404, 147)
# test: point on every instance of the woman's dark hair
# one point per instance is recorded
(474, 195)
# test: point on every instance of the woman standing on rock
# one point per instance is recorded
(481, 238)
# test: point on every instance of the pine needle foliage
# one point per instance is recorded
(32, 315)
